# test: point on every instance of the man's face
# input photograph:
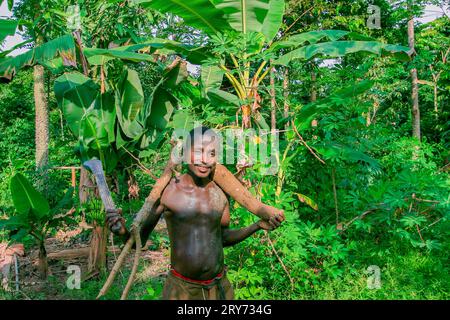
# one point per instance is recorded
(203, 156)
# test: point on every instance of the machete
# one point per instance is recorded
(97, 169)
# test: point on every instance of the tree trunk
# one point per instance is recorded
(97, 253)
(41, 112)
(313, 85)
(336, 207)
(435, 91)
(415, 104)
(97, 249)
(42, 261)
(313, 95)
(286, 95)
(414, 81)
(273, 104)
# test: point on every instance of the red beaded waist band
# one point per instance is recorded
(202, 282)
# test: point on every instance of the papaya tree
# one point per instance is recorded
(43, 22)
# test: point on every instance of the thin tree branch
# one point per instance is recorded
(280, 260)
(305, 144)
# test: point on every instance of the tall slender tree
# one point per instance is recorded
(414, 79)
(46, 22)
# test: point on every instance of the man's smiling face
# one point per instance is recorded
(203, 154)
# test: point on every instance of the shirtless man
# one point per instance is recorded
(197, 213)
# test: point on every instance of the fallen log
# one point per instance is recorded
(75, 253)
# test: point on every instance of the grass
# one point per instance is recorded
(405, 274)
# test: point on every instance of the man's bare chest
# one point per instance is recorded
(191, 202)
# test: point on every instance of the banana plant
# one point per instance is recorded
(244, 41)
(33, 216)
(109, 125)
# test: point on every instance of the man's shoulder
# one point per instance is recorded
(181, 182)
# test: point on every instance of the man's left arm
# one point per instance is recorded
(233, 236)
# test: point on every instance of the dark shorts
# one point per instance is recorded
(177, 288)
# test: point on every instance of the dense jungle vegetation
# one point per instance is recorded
(362, 115)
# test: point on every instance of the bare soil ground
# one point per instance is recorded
(153, 264)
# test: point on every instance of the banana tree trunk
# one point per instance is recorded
(42, 261)
(97, 253)
(97, 249)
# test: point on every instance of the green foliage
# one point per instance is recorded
(198, 13)
(62, 48)
(33, 214)
(380, 198)
(7, 28)
(120, 121)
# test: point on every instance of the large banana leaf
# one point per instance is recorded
(90, 115)
(27, 200)
(311, 37)
(221, 97)
(92, 134)
(7, 28)
(161, 106)
(195, 55)
(19, 45)
(129, 101)
(75, 93)
(212, 77)
(182, 121)
(273, 20)
(253, 15)
(97, 125)
(63, 47)
(201, 14)
(335, 49)
(97, 56)
(132, 95)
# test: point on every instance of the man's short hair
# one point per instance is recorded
(198, 132)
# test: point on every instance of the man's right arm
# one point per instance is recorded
(147, 226)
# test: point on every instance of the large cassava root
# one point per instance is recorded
(234, 188)
(221, 176)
